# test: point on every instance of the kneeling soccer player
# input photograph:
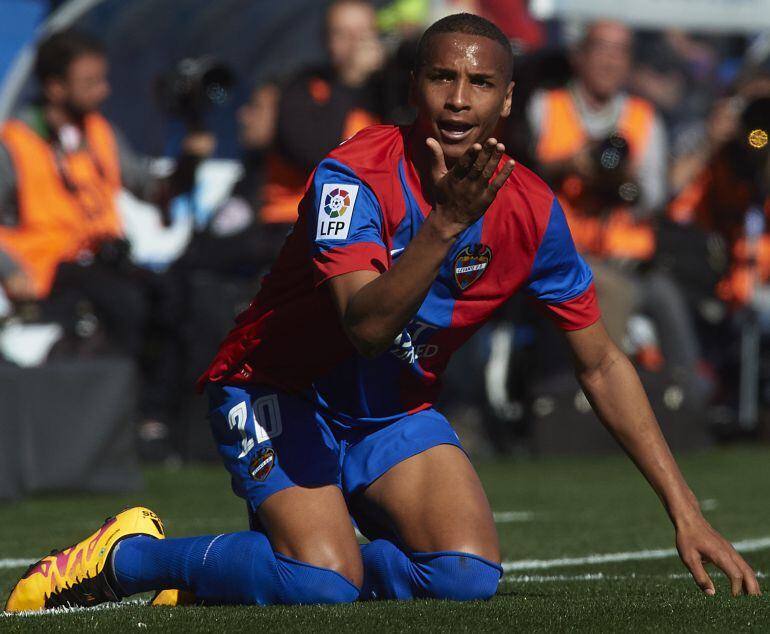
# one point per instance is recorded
(321, 397)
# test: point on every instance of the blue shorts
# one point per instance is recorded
(270, 441)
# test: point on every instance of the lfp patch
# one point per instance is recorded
(335, 211)
(262, 465)
(470, 264)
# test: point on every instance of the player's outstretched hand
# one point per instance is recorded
(698, 543)
(465, 192)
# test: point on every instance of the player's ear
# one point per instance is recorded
(506, 109)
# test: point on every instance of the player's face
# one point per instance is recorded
(603, 61)
(461, 91)
(85, 86)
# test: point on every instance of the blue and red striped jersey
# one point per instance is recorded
(363, 205)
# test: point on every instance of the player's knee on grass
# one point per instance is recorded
(457, 576)
(390, 573)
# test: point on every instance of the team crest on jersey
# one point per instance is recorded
(335, 211)
(470, 265)
(262, 465)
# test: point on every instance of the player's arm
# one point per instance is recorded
(376, 307)
(616, 393)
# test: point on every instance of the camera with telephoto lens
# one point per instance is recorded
(612, 183)
(193, 87)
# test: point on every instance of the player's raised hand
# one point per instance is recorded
(699, 543)
(465, 192)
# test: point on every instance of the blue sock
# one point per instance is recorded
(235, 568)
(390, 573)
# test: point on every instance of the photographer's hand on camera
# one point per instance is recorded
(197, 146)
(579, 164)
(582, 164)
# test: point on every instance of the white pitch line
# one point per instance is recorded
(746, 545)
(709, 504)
(593, 576)
(506, 517)
(597, 576)
(16, 563)
(65, 610)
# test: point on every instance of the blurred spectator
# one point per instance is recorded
(60, 153)
(257, 120)
(323, 107)
(605, 153)
(569, 123)
(683, 74)
(706, 138)
(236, 241)
(62, 165)
(724, 176)
(702, 141)
(222, 267)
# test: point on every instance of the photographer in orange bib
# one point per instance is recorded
(62, 239)
(605, 153)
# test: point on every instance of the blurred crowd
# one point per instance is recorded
(655, 143)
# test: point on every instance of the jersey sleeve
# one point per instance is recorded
(345, 221)
(561, 281)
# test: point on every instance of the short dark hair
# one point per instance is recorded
(56, 52)
(466, 23)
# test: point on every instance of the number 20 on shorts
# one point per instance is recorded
(266, 417)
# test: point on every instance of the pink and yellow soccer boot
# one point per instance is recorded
(81, 575)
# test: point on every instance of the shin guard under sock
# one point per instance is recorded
(235, 568)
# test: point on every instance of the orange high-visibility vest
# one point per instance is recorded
(285, 182)
(683, 209)
(716, 201)
(750, 266)
(66, 204)
(562, 135)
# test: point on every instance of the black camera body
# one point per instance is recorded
(194, 86)
(613, 184)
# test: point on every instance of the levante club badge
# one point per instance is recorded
(470, 265)
(262, 465)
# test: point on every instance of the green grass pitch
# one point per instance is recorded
(552, 515)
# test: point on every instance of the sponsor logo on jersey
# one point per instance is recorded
(335, 211)
(470, 264)
(262, 465)
(406, 346)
